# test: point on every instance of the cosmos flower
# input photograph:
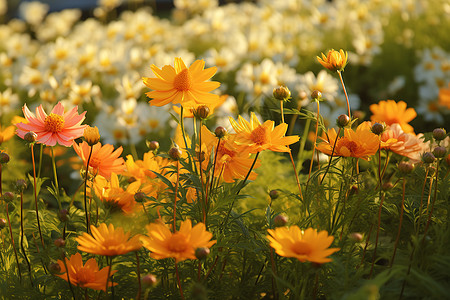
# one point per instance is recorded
(391, 112)
(57, 127)
(182, 85)
(105, 240)
(180, 245)
(402, 143)
(334, 61)
(85, 276)
(305, 245)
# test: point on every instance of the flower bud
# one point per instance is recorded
(2, 223)
(439, 152)
(405, 167)
(21, 185)
(428, 158)
(200, 156)
(387, 186)
(91, 135)
(153, 145)
(342, 120)
(202, 112)
(60, 243)
(280, 220)
(274, 194)
(8, 197)
(175, 153)
(356, 237)
(54, 268)
(149, 280)
(202, 252)
(316, 95)
(439, 134)
(63, 215)
(4, 158)
(378, 128)
(139, 197)
(281, 93)
(354, 190)
(30, 137)
(220, 132)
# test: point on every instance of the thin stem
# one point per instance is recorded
(13, 244)
(345, 92)
(421, 201)
(282, 112)
(86, 175)
(35, 195)
(138, 272)
(21, 238)
(401, 220)
(331, 157)
(378, 232)
(314, 143)
(432, 203)
(175, 198)
(109, 261)
(178, 281)
(183, 133)
(68, 277)
(40, 160)
(200, 156)
(303, 139)
(296, 175)
(365, 247)
(274, 271)
(56, 179)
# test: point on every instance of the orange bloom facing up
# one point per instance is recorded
(361, 143)
(104, 159)
(87, 276)
(334, 61)
(187, 86)
(305, 245)
(444, 97)
(105, 240)
(391, 112)
(57, 127)
(180, 245)
(259, 137)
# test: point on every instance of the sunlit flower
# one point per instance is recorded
(180, 245)
(57, 127)
(361, 143)
(308, 245)
(105, 240)
(87, 276)
(91, 135)
(391, 112)
(402, 143)
(7, 133)
(444, 97)
(334, 61)
(104, 159)
(187, 86)
(188, 112)
(264, 136)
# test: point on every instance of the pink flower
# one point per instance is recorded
(57, 127)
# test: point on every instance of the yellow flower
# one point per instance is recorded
(105, 240)
(259, 137)
(444, 97)
(304, 246)
(87, 276)
(180, 245)
(7, 133)
(91, 135)
(334, 61)
(391, 112)
(187, 86)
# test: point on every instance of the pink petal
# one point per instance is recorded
(58, 109)
(40, 114)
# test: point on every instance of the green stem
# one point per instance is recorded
(21, 238)
(331, 157)
(56, 179)
(35, 195)
(345, 92)
(13, 244)
(86, 175)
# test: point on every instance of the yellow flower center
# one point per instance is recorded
(183, 81)
(346, 147)
(177, 243)
(258, 135)
(54, 123)
(301, 248)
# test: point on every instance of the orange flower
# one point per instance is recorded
(57, 127)
(87, 276)
(180, 245)
(402, 143)
(259, 137)
(334, 61)
(7, 133)
(232, 162)
(105, 240)
(187, 86)
(391, 112)
(305, 245)
(361, 143)
(444, 97)
(104, 159)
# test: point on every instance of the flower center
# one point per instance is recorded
(346, 147)
(183, 81)
(54, 123)
(177, 243)
(258, 135)
(301, 248)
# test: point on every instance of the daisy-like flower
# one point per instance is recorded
(85, 276)
(361, 143)
(187, 86)
(180, 245)
(334, 61)
(308, 245)
(264, 136)
(57, 127)
(402, 143)
(105, 240)
(391, 112)
(104, 159)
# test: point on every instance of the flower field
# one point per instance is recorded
(271, 149)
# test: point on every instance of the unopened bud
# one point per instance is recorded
(387, 186)
(153, 145)
(280, 220)
(439, 152)
(356, 237)
(200, 156)
(316, 95)
(281, 93)
(202, 112)
(21, 185)
(30, 137)
(202, 252)
(220, 132)
(63, 215)
(4, 158)
(8, 197)
(428, 158)
(54, 268)
(342, 120)
(354, 190)
(439, 134)
(2, 223)
(378, 128)
(274, 194)
(405, 167)
(175, 153)
(139, 197)
(60, 243)
(149, 280)
(91, 135)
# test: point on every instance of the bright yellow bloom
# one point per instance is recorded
(305, 245)
(361, 143)
(259, 137)
(334, 61)
(91, 135)
(7, 133)
(391, 112)
(187, 86)
(105, 240)
(87, 276)
(180, 245)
